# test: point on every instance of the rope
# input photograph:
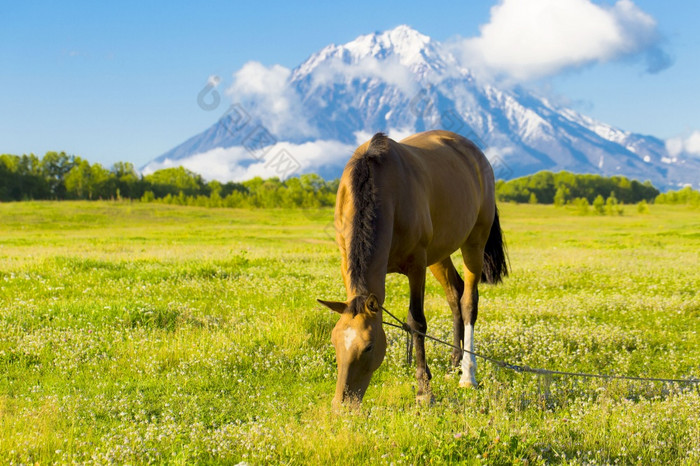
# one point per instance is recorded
(524, 368)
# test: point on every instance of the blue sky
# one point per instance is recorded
(118, 81)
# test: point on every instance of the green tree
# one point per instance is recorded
(173, 181)
(7, 177)
(561, 196)
(543, 186)
(127, 180)
(560, 188)
(599, 205)
(642, 207)
(214, 188)
(103, 183)
(312, 182)
(231, 187)
(78, 182)
(612, 206)
(581, 204)
(687, 196)
(85, 181)
(148, 196)
(54, 168)
(29, 181)
(294, 193)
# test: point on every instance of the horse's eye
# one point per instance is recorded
(368, 349)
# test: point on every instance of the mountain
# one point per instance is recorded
(310, 119)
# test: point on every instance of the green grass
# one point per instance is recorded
(138, 333)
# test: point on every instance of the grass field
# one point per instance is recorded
(139, 333)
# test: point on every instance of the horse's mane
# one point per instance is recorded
(364, 194)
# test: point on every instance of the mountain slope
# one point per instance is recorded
(401, 82)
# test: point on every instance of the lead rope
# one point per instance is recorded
(519, 368)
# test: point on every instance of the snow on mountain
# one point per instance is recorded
(310, 119)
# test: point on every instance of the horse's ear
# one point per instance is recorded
(337, 306)
(372, 304)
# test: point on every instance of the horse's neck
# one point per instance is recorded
(374, 281)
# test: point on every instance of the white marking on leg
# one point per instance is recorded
(468, 360)
(350, 335)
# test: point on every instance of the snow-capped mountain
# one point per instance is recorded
(310, 119)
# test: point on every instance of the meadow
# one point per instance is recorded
(149, 333)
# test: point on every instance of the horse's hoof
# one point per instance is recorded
(468, 384)
(425, 399)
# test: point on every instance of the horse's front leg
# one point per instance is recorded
(416, 320)
(453, 285)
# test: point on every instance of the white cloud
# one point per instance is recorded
(268, 93)
(692, 144)
(527, 39)
(397, 134)
(390, 70)
(687, 145)
(255, 78)
(281, 160)
(362, 136)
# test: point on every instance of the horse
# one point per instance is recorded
(402, 207)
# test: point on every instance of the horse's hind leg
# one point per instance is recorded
(473, 257)
(445, 272)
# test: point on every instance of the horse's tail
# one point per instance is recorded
(495, 255)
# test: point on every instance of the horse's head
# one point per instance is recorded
(360, 345)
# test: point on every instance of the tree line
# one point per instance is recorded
(59, 176)
(564, 188)
(685, 196)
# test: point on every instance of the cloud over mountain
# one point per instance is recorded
(268, 88)
(309, 119)
(684, 145)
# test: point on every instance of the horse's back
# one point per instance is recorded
(447, 157)
(453, 184)
(433, 190)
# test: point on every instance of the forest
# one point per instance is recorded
(59, 176)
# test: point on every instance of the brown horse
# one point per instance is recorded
(402, 207)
